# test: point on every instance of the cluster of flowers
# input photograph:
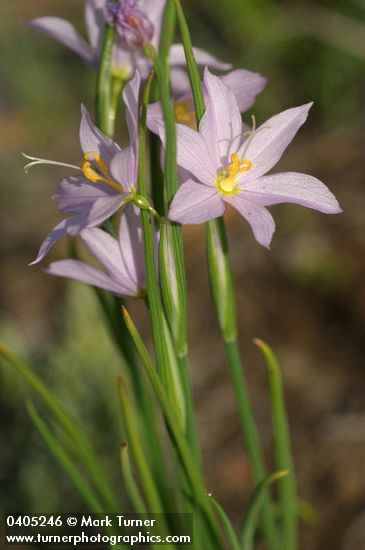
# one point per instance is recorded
(221, 161)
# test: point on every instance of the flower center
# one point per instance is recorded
(225, 180)
(95, 170)
(185, 114)
(133, 27)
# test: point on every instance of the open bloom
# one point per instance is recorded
(245, 85)
(107, 178)
(227, 167)
(136, 22)
(121, 259)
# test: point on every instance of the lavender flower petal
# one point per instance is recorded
(51, 239)
(103, 208)
(76, 193)
(260, 219)
(123, 168)
(196, 203)
(221, 125)
(106, 251)
(95, 22)
(271, 140)
(79, 271)
(131, 245)
(203, 58)
(154, 9)
(93, 140)
(154, 117)
(245, 85)
(193, 154)
(180, 82)
(65, 33)
(131, 100)
(292, 187)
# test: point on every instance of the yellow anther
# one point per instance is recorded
(92, 155)
(98, 176)
(184, 114)
(226, 182)
(89, 172)
(237, 165)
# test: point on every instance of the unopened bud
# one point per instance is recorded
(133, 27)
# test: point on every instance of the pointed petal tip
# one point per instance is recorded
(38, 259)
(84, 110)
(307, 106)
(336, 209)
(207, 73)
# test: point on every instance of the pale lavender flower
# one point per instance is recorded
(107, 179)
(122, 260)
(227, 167)
(245, 85)
(137, 21)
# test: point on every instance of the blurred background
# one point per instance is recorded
(306, 296)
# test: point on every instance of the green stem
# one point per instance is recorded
(175, 295)
(153, 291)
(139, 457)
(230, 533)
(193, 70)
(183, 450)
(250, 436)
(109, 89)
(138, 453)
(191, 431)
(105, 115)
(282, 447)
(130, 483)
(257, 501)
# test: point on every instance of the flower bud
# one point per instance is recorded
(220, 278)
(133, 27)
(172, 280)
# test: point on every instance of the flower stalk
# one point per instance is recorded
(107, 100)
(220, 271)
(183, 450)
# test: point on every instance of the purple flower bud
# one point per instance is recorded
(132, 24)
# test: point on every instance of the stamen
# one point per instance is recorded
(238, 165)
(92, 175)
(36, 161)
(92, 155)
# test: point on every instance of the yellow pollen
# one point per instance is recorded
(238, 165)
(184, 114)
(226, 179)
(102, 174)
